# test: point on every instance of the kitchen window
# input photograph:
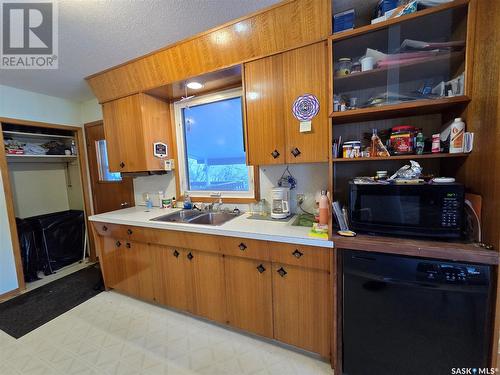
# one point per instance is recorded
(211, 146)
(103, 165)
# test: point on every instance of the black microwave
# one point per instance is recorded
(424, 210)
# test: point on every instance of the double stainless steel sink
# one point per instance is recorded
(197, 217)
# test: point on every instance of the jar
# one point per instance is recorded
(343, 67)
(346, 150)
(402, 139)
(351, 149)
(356, 67)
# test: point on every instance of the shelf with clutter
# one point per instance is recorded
(399, 67)
(31, 144)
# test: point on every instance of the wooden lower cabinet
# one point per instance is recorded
(250, 290)
(301, 305)
(172, 285)
(209, 290)
(249, 295)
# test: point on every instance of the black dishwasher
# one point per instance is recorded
(414, 316)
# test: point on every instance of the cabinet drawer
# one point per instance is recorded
(111, 230)
(188, 240)
(242, 247)
(300, 255)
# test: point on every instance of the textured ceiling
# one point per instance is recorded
(97, 34)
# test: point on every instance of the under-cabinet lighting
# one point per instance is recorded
(194, 85)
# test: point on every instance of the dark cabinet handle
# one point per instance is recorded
(129, 231)
(261, 268)
(104, 228)
(190, 256)
(122, 164)
(296, 152)
(282, 272)
(297, 254)
(176, 253)
(118, 243)
(128, 246)
(242, 246)
(275, 154)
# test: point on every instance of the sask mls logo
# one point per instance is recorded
(29, 34)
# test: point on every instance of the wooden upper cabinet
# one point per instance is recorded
(305, 72)
(131, 126)
(272, 85)
(264, 111)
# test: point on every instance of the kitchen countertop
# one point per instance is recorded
(241, 226)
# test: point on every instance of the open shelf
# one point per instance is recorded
(448, 250)
(410, 108)
(35, 135)
(439, 64)
(393, 21)
(401, 157)
(12, 158)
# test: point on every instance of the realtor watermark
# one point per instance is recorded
(29, 34)
(474, 371)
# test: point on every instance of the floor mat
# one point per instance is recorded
(23, 314)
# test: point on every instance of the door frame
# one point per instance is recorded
(9, 199)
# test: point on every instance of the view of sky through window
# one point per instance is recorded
(214, 146)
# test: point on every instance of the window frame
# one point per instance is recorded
(182, 174)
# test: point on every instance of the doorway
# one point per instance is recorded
(110, 191)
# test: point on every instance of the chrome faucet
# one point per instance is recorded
(216, 205)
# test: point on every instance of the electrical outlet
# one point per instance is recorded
(300, 198)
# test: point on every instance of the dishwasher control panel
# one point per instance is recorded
(451, 273)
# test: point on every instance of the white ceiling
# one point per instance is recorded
(97, 34)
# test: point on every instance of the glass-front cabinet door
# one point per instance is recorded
(421, 58)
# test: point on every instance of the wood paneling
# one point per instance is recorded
(131, 126)
(301, 303)
(282, 27)
(300, 255)
(249, 295)
(209, 289)
(481, 171)
(112, 262)
(265, 111)
(305, 72)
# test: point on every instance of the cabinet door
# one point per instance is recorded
(123, 133)
(172, 279)
(249, 295)
(138, 270)
(209, 292)
(264, 111)
(112, 264)
(301, 303)
(305, 72)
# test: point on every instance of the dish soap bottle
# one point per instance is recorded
(323, 208)
(457, 136)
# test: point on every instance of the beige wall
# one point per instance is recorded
(41, 188)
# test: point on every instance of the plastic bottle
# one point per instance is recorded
(457, 136)
(73, 147)
(323, 208)
(420, 143)
(187, 202)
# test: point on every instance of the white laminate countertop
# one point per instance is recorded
(240, 226)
